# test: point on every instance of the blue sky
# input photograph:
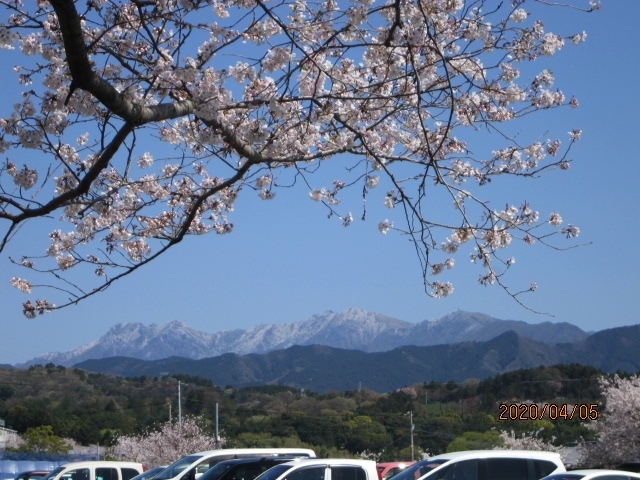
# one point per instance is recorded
(285, 261)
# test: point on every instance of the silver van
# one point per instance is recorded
(194, 465)
(96, 470)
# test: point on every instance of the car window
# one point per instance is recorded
(54, 472)
(542, 468)
(217, 471)
(391, 472)
(128, 473)
(77, 474)
(308, 473)
(177, 467)
(106, 474)
(419, 469)
(274, 472)
(507, 469)
(463, 470)
(205, 466)
(348, 472)
(248, 471)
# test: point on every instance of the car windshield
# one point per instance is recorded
(419, 469)
(217, 470)
(177, 467)
(273, 472)
(149, 473)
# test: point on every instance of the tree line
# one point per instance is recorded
(94, 409)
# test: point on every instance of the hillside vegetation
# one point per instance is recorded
(92, 408)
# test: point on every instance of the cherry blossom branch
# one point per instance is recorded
(255, 96)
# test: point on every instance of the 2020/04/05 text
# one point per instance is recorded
(552, 411)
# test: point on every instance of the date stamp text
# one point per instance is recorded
(551, 411)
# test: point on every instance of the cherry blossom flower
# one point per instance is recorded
(519, 15)
(25, 178)
(385, 226)
(21, 284)
(555, 219)
(441, 290)
(7, 37)
(571, 231)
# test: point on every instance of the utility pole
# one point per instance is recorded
(410, 413)
(217, 439)
(179, 405)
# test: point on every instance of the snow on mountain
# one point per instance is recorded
(353, 329)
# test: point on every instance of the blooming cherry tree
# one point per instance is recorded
(617, 433)
(163, 446)
(141, 122)
(529, 441)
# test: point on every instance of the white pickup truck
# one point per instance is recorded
(323, 469)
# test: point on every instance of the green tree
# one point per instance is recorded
(475, 441)
(362, 433)
(43, 440)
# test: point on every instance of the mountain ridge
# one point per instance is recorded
(352, 329)
(322, 368)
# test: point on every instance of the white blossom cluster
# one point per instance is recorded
(148, 126)
(530, 441)
(162, 446)
(616, 428)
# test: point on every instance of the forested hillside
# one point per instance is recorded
(92, 408)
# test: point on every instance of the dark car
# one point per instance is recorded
(149, 474)
(243, 468)
(629, 467)
(594, 474)
(32, 475)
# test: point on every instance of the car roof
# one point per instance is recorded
(330, 461)
(33, 473)
(97, 463)
(257, 451)
(258, 458)
(495, 454)
(602, 471)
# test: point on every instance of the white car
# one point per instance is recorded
(594, 474)
(96, 470)
(485, 465)
(323, 469)
(192, 466)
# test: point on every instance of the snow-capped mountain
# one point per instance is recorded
(352, 329)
